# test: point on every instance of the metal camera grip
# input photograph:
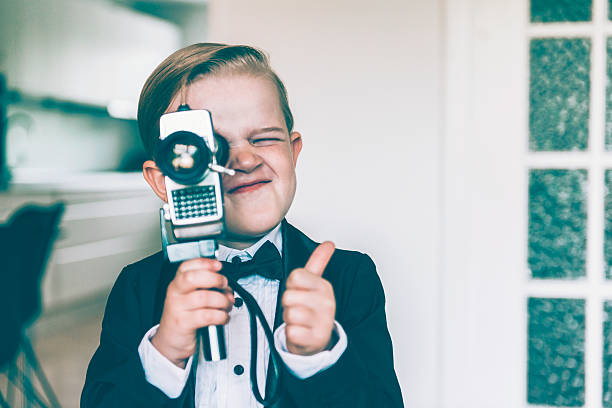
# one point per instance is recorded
(212, 343)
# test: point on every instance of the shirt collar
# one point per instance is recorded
(274, 236)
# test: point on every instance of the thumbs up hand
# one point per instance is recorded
(309, 305)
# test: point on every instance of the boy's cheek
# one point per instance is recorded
(258, 212)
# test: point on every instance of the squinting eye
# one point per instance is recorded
(265, 141)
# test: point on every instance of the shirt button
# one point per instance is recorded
(238, 369)
(238, 302)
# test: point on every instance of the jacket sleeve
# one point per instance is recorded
(115, 377)
(364, 375)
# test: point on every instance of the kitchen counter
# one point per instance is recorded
(25, 181)
(110, 219)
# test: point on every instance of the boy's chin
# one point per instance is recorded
(247, 232)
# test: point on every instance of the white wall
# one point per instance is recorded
(485, 205)
(364, 82)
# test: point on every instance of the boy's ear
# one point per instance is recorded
(153, 175)
(296, 145)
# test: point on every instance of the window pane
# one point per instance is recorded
(557, 223)
(607, 355)
(548, 11)
(559, 94)
(556, 352)
(608, 225)
(609, 94)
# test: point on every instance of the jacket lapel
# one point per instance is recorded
(296, 250)
(168, 271)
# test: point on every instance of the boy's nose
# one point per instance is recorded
(243, 159)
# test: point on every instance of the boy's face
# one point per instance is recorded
(246, 112)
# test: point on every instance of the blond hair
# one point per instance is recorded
(188, 64)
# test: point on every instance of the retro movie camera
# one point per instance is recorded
(191, 157)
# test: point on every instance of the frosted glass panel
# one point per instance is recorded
(549, 11)
(607, 355)
(556, 352)
(608, 224)
(559, 94)
(609, 94)
(557, 223)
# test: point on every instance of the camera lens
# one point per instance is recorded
(222, 150)
(184, 157)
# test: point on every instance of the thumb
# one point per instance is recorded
(320, 257)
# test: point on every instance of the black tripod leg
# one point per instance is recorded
(30, 357)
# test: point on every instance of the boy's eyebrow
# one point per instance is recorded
(266, 130)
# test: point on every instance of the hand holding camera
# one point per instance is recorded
(187, 308)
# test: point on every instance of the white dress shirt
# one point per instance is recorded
(226, 383)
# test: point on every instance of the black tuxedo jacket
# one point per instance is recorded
(363, 376)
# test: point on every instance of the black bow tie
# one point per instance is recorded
(266, 263)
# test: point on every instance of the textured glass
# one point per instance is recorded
(608, 225)
(556, 352)
(607, 355)
(609, 94)
(549, 11)
(557, 223)
(559, 94)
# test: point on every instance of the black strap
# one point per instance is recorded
(255, 313)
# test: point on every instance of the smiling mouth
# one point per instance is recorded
(248, 187)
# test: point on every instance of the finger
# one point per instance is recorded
(193, 279)
(226, 290)
(314, 301)
(299, 336)
(205, 317)
(229, 292)
(320, 257)
(200, 263)
(306, 340)
(299, 315)
(296, 297)
(301, 279)
(207, 299)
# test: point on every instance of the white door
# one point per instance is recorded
(525, 280)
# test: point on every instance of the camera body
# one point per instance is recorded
(191, 157)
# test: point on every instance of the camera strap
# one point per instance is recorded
(255, 313)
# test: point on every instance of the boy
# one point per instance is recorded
(326, 305)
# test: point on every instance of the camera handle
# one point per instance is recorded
(212, 337)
